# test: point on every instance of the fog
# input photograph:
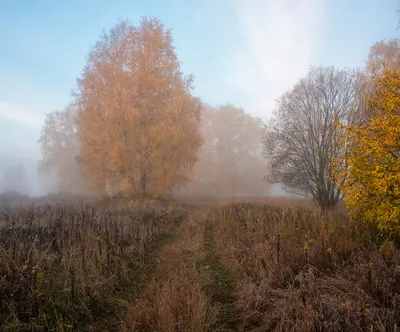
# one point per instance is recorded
(230, 162)
(245, 58)
(20, 176)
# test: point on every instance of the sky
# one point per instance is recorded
(243, 52)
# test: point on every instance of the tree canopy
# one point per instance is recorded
(301, 138)
(370, 166)
(60, 148)
(231, 162)
(138, 121)
(384, 54)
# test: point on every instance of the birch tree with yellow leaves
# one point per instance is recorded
(370, 164)
(138, 121)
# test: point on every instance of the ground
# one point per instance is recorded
(166, 266)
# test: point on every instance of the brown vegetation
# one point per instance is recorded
(68, 267)
(235, 267)
(134, 129)
(177, 298)
(296, 271)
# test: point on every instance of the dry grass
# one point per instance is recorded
(176, 299)
(297, 272)
(66, 267)
(117, 265)
(272, 200)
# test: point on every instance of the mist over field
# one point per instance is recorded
(248, 59)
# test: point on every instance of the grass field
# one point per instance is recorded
(254, 264)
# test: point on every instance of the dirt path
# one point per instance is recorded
(176, 298)
(190, 289)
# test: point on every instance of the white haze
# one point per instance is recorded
(279, 45)
(274, 42)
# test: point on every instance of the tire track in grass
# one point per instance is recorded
(177, 298)
(141, 271)
(223, 288)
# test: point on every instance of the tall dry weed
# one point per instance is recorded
(297, 270)
(69, 265)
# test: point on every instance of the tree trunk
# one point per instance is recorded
(143, 183)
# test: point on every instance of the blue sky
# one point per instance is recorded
(246, 52)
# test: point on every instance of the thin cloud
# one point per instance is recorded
(280, 39)
(19, 115)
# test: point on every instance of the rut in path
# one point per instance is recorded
(190, 290)
(223, 287)
(177, 296)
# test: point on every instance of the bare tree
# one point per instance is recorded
(300, 140)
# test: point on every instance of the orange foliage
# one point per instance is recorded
(138, 120)
(384, 54)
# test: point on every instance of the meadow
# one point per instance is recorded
(158, 265)
(73, 266)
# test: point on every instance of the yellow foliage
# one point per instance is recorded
(369, 168)
(388, 248)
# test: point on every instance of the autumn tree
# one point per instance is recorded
(138, 119)
(369, 166)
(384, 54)
(231, 161)
(300, 139)
(60, 149)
